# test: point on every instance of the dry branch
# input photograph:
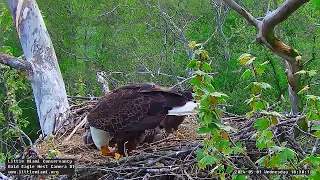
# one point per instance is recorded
(16, 63)
(103, 83)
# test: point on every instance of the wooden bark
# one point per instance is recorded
(46, 80)
(14, 62)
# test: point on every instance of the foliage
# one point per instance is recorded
(52, 153)
(132, 42)
(11, 120)
(312, 112)
(217, 148)
(279, 156)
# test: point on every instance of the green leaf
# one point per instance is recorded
(239, 144)
(238, 150)
(315, 126)
(262, 85)
(226, 128)
(271, 113)
(227, 151)
(207, 79)
(274, 161)
(259, 105)
(200, 154)
(301, 72)
(261, 123)
(229, 169)
(276, 148)
(260, 70)
(264, 139)
(248, 101)
(207, 160)
(312, 73)
(205, 102)
(220, 168)
(219, 94)
(262, 161)
(255, 89)
(6, 49)
(313, 97)
(317, 6)
(239, 177)
(245, 58)
(208, 118)
(9, 155)
(206, 67)
(250, 61)
(313, 159)
(316, 174)
(246, 74)
(195, 81)
(317, 133)
(204, 130)
(289, 153)
(192, 64)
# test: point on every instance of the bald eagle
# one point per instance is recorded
(124, 114)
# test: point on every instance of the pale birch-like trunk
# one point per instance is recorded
(45, 77)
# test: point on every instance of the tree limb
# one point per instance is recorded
(16, 63)
(253, 21)
(103, 83)
(282, 13)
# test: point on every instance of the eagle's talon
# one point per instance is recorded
(107, 151)
(177, 133)
(117, 156)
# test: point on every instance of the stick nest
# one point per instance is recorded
(168, 158)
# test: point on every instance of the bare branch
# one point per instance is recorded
(103, 82)
(243, 12)
(2, 176)
(108, 12)
(23, 133)
(283, 12)
(16, 63)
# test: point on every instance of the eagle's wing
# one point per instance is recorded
(135, 107)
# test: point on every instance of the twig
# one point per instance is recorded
(125, 149)
(306, 133)
(314, 149)
(76, 128)
(108, 12)
(187, 79)
(23, 133)
(103, 82)
(3, 177)
(84, 98)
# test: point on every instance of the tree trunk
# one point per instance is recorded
(46, 80)
(294, 85)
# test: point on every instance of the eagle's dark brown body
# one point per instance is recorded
(129, 110)
(171, 123)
